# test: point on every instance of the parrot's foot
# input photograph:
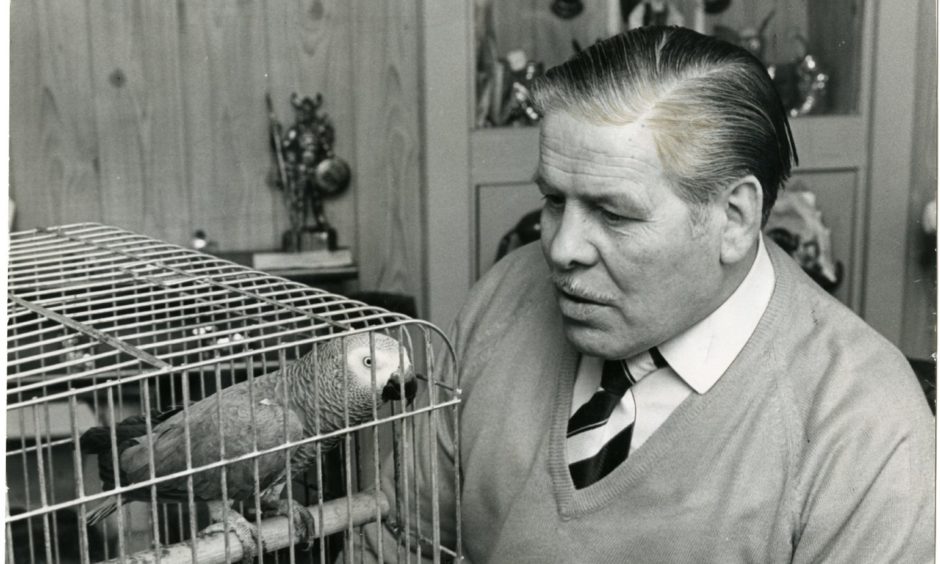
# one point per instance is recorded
(297, 512)
(248, 535)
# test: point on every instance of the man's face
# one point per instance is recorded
(632, 265)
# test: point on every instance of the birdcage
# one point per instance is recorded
(122, 335)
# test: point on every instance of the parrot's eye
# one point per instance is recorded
(367, 361)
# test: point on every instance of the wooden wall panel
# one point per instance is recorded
(223, 65)
(138, 116)
(387, 153)
(54, 145)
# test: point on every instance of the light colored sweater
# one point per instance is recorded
(816, 445)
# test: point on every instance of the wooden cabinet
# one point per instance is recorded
(856, 156)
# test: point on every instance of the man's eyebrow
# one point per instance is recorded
(540, 181)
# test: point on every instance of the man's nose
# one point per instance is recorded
(570, 243)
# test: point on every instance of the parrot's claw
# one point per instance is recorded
(248, 535)
(297, 512)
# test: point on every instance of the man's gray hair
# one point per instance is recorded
(713, 109)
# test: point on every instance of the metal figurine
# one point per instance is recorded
(308, 171)
(803, 84)
(750, 38)
(755, 40)
(812, 85)
(654, 12)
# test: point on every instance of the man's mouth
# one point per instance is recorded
(578, 304)
(576, 307)
(577, 293)
(577, 298)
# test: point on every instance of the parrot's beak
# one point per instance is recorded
(392, 389)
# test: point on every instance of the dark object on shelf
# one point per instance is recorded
(202, 242)
(567, 9)
(812, 86)
(926, 371)
(803, 84)
(527, 230)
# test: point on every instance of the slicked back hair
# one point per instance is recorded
(713, 109)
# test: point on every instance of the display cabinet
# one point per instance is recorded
(482, 152)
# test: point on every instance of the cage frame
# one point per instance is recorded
(36, 288)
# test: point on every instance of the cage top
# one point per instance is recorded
(94, 301)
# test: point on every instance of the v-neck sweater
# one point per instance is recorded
(816, 444)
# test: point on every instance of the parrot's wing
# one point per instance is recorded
(274, 425)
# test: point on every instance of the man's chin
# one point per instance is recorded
(594, 341)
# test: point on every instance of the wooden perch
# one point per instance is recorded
(210, 547)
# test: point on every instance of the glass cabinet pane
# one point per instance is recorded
(812, 47)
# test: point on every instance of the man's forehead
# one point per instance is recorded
(601, 154)
(573, 141)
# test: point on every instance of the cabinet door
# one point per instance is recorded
(499, 209)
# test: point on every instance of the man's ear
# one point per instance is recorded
(742, 202)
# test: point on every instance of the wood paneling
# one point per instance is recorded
(54, 146)
(224, 64)
(150, 115)
(388, 147)
(138, 116)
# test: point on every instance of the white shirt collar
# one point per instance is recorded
(702, 353)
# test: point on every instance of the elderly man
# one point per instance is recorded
(659, 383)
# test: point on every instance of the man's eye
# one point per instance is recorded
(553, 201)
(612, 217)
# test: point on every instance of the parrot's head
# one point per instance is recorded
(390, 362)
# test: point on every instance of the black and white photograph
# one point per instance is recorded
(470, 281)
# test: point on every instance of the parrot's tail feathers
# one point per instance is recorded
(106, 508)
(96, 440)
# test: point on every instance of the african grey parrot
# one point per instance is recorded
(284, 396)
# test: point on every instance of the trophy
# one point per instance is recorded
(307, 173)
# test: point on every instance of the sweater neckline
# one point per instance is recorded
(573, 502)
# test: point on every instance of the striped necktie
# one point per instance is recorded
(588, 422)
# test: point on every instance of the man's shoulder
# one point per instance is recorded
(519, 278)
(514, 296)
(837, 364)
